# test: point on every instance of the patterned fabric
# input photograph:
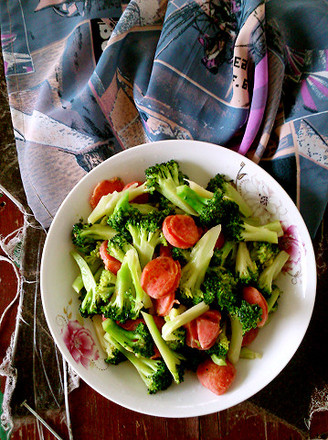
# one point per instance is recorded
(87, 79)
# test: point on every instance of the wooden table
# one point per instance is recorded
(94, 417)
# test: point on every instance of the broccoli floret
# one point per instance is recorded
(222, 283)
(248, 314)
(94, 262)
(264, 253)
(174, 322)
(153, 372)
(181, 255)
(271, 272)
(128, 298)
(221, 184)
(172, 359)
(225, 256)
(165, 178)
(113, 354)
(107, 203)
(122, 212)
(209, 210)
(91, 301)
(138, 341)
(146, 234)
(273, 299)
(177, 340)
(193, 273)
(219, 350)
(246, 269)
(118, 246)
(85, 236)
(237, 228)
(106, 285)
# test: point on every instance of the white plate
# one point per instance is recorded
(278, 341)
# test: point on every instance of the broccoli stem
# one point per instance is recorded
(248, 353)
(193, 273)
(133, 261)
(171, 358)
(182, 319)
(96, 268)
(273, 298)
(88, 279)
(270, 273)
(236, 339)
(258, 233)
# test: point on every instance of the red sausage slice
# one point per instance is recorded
(160, 277)
(164, 305)
(217, 378)
(208, 328)
(180, 231)
(249, 336)
(203, 331)
(105, 187)
(253, 296)
(110, 262)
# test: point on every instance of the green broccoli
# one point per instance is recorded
(193, 273)
(85, 236)
(237, 228)
(106, 285)
(225, 256)
(209, 210)
(172, 359)
(218, 352)
(220, 183)
(123, 211)
(128, 298)
(243, 316)
(181, 255)
(113, 354)
(264, 253)
(246, 269)
(138, 341)
(90, 302)
(271, 272)
(146, 235)
(221, 283)
(94, 262)
(165, 178)
(118, 246)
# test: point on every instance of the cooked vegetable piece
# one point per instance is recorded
(164, 305)
(217, 378)
(105, 187)
(143, 198)
(180, 231)
(160, 277)
(111, 263)
(253, 296)
(203, 331)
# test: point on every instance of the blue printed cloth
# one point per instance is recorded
(87, 79)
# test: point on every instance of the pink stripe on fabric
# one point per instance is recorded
(320, 86)
(307, 98)
(256, 113)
